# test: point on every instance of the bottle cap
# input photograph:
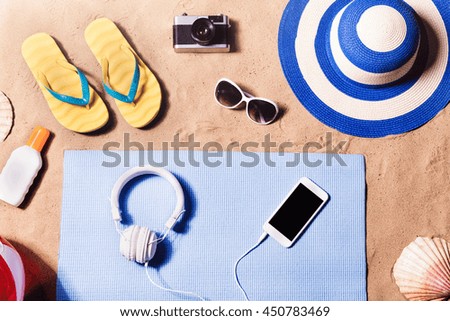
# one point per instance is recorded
(38, 138)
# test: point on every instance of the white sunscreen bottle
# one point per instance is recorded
(22, 168)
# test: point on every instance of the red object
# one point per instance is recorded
(12, 274)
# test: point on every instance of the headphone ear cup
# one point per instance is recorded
(138, 244)
(128, 242)
(146, 245)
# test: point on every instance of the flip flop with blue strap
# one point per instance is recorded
(126, 78)
(75, 105)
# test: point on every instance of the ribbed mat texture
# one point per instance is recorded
(227, 205)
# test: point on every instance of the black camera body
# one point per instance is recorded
(201, 33)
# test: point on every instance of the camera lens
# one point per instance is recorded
(203, 31)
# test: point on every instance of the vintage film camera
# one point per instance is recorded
(201, 33)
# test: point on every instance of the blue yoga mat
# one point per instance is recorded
(227, 203)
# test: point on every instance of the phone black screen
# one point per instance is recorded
(296, 212)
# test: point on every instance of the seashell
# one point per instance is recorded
(6, 116)
(422, 272)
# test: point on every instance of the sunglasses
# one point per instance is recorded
(260, 110)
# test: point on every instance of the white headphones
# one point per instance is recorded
(139, 243)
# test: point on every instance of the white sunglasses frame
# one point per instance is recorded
(246, 97)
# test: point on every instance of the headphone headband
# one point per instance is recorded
(148, 170)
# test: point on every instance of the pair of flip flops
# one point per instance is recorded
(73, 102)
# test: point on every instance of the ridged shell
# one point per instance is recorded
(422, 272)
(6, 116)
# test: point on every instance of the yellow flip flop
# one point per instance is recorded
(125, 76)
(72, 101)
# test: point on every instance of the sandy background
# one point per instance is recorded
(407, 175)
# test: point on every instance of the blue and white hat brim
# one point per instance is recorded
(364, 110)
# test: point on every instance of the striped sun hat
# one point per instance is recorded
(12, 274)
(368, 68)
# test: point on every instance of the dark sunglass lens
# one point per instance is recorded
(261, 111)
(227, 94)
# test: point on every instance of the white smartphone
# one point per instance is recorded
(296, 212)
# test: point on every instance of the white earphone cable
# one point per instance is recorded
(192, 294)
(236, 277)
(116, 223)
(2, 247)
(162, 238)
(159, 240)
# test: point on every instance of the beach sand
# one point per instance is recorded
(407, 175)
